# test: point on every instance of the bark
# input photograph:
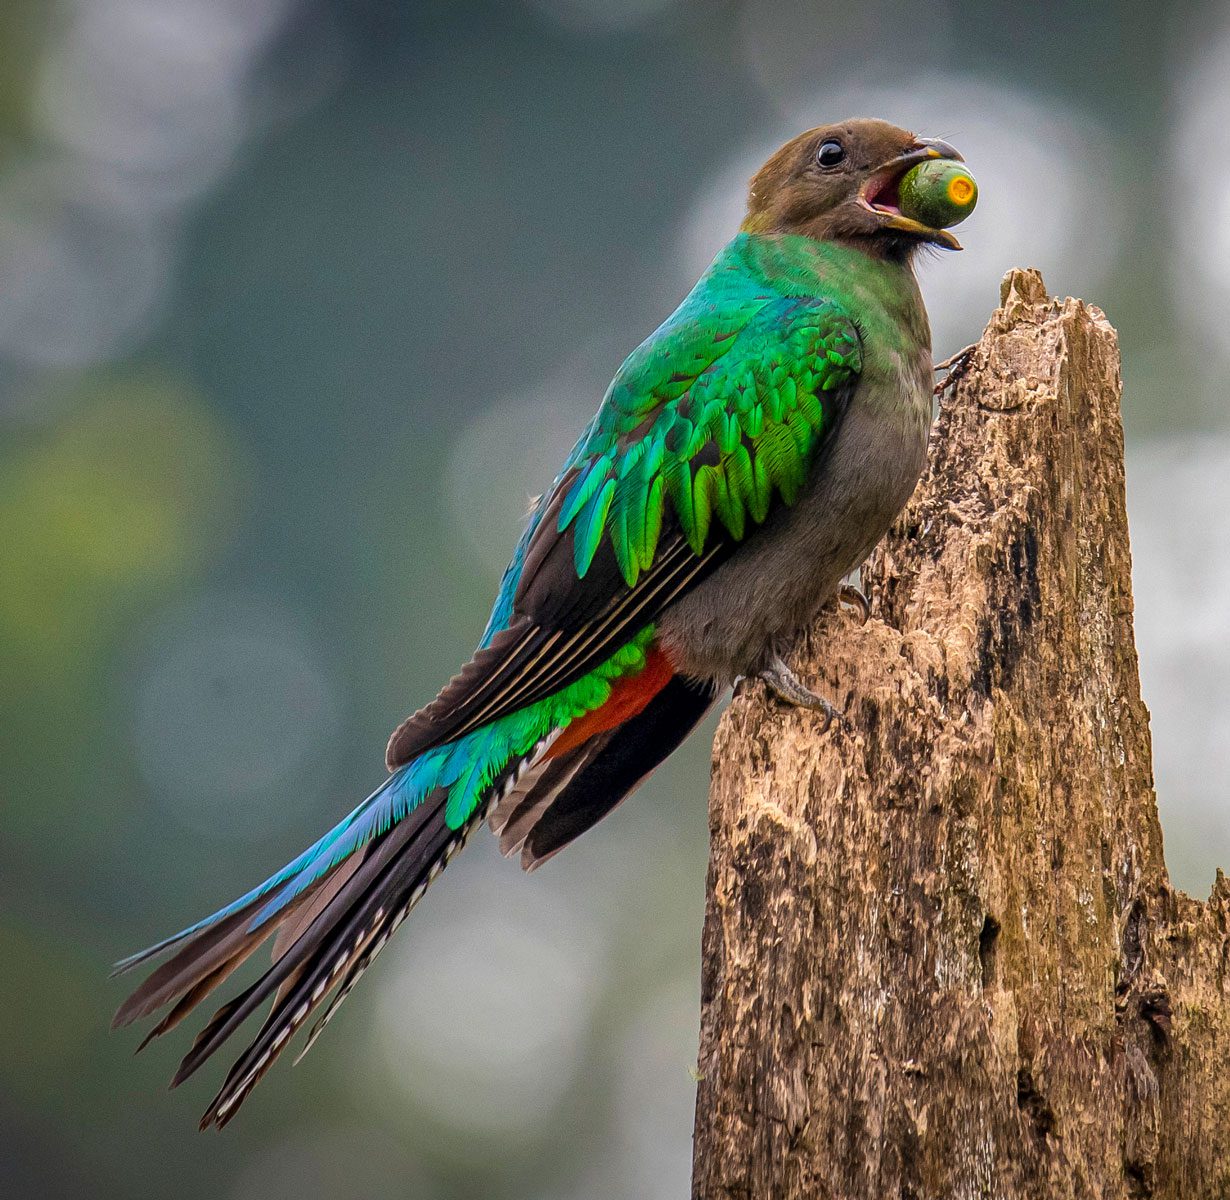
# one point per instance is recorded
(942, 956)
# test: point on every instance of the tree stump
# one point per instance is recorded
(942, 956)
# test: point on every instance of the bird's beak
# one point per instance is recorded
(879, 193)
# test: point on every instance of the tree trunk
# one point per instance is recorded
(942, 956)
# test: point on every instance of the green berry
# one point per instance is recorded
(937, 193)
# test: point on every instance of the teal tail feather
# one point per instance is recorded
(387, 803)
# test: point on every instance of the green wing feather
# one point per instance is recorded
(716, 416)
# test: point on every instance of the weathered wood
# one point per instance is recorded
(942, 957)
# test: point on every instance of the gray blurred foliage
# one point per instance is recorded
(302, 300)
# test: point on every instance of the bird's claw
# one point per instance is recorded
(850, 596)
(785, 685)
(956, 366)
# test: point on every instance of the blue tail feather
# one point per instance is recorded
(464, 767)
(388, 803)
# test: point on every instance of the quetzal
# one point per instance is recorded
(747, 456)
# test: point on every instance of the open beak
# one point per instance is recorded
(880, 193)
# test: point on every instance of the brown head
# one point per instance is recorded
(839, 183)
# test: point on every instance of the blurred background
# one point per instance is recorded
(300, 301)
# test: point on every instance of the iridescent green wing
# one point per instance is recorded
(680, 450)
(714, 420)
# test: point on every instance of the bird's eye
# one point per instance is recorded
(830, 153)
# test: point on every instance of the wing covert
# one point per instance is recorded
(720, 446)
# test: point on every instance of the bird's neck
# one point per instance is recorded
(875, 289)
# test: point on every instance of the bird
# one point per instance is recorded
(743, 462)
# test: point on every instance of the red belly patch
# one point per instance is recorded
(628, 697)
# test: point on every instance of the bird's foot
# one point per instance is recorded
(956, 366)
(851, 597)
(785, 685)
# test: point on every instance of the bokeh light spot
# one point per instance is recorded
(510, 453)
(484, 1020)
(137, 488)
(1178, 490)
(1197, 200)
(233, 708)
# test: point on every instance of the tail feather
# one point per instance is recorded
(385, 930)
(211, 955)
(215, 947)
(533, 791)
(347, 943)
(333, 908)
(621, 760)
(190, 999)
(388, 927)
(384, 806)
(326, 936)
(298, 922)
(380, 858)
